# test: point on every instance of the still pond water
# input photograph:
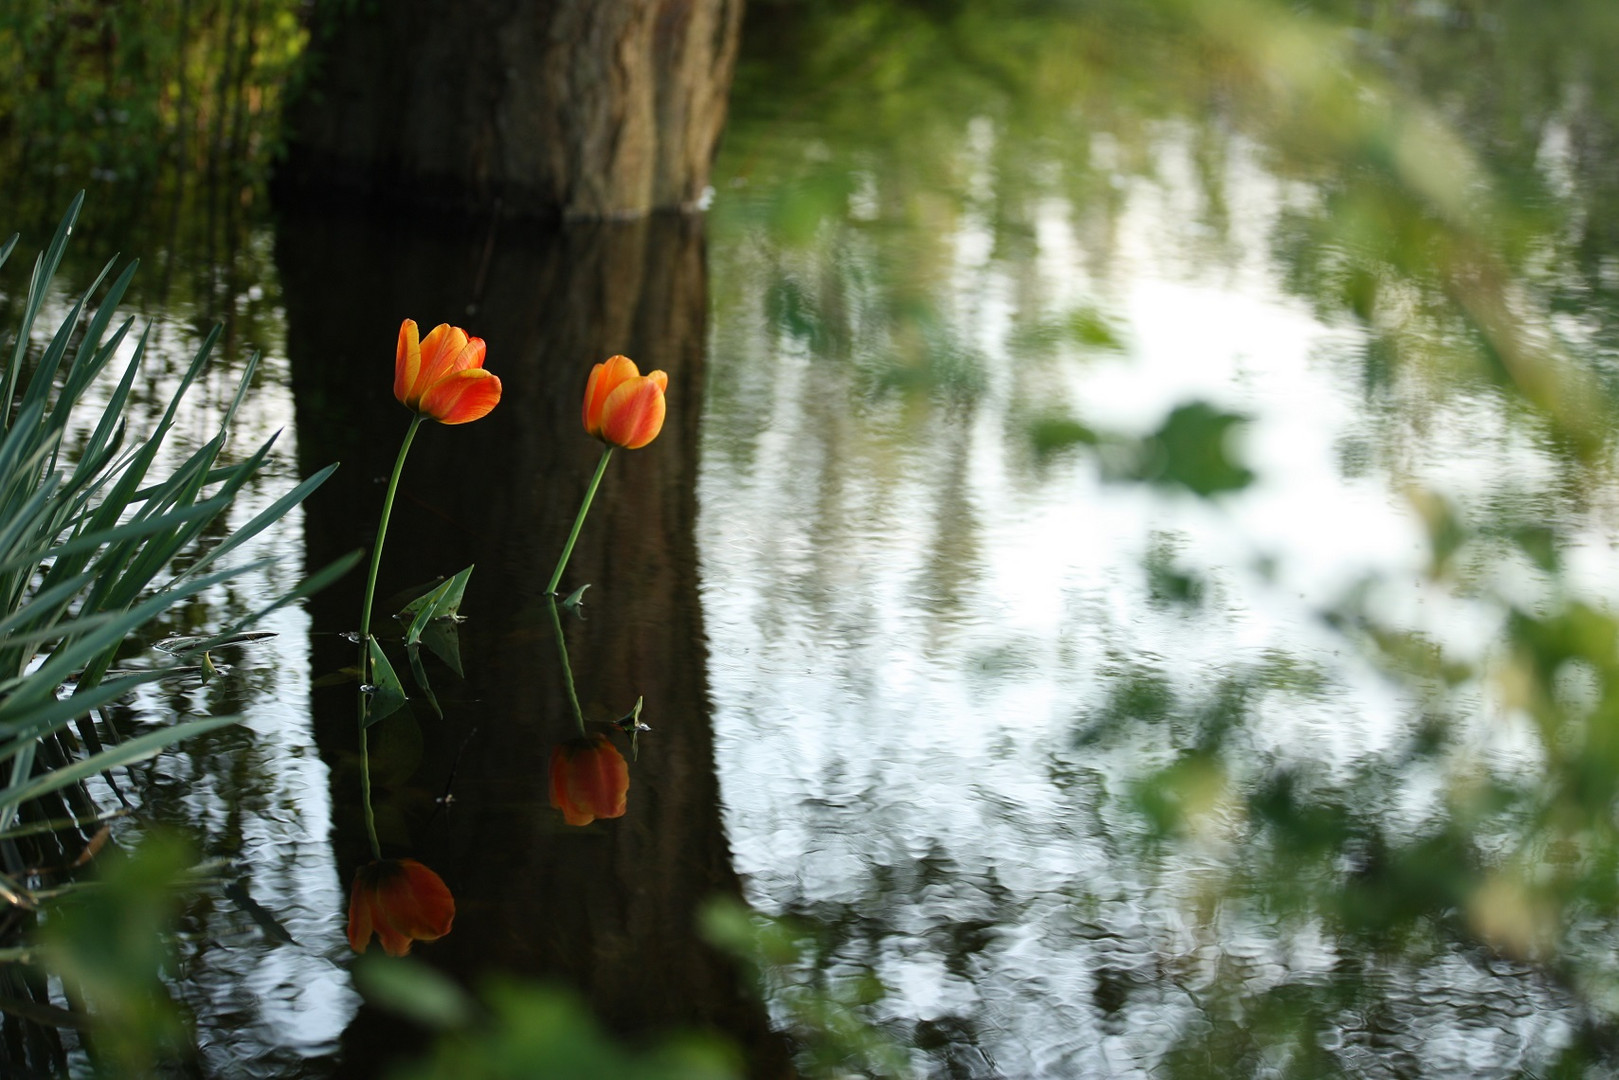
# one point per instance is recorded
(924, 660)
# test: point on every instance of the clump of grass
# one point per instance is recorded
(94, 546)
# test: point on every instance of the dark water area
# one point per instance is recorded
(1127, 570)
(608, 910)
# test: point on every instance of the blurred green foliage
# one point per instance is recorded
(100, 90)
(831, 1021)
(1447, 195)
(109, 944)
(168, 113)
(520, 1030)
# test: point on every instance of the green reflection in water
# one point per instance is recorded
(947, 236)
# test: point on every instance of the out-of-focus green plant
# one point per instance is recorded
(1448, 199)
(113, 91)
(98, 538)
(523, 1030)
(832, 1024)
(108, 943)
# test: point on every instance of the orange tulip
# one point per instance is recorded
(443, 376)
(589, 780)
(622, 406)
(401, 901)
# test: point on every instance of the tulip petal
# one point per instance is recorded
(470, 355)
(633, 413)
(604, 379)
(440, 348)
(462, 396)
(430, 910)
(401, 902)
(360, 903)
(589, 780)
(407, 361)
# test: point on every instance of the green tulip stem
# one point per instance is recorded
(579, 522)
(562, 649)
(365, 791)
(382, 534)
(365, 631)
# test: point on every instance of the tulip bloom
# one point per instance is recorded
(442, 376)
(589, 779)
(401, 901)
(622, 406)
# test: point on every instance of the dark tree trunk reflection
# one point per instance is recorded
(608, 908)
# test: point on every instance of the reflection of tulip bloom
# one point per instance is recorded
(589, 779)
(402, 901)
(443, 376)
(622, 406)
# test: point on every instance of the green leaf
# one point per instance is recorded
(125, 753)
(44, 269)
(414, 990)
(444, 641)
(441, 603)
(1192, 449)
(419, 673)
(82, 651)
(268, 516)
(387, 694)
(426, 607)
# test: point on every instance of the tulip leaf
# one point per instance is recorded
(444, 598)
(445, 642)
(387, 693)
(424, 613)
(419, 673)
(442, 603)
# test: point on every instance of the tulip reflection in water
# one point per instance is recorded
(402, 902)
(439, 378)
(624, 408)
(589, 777)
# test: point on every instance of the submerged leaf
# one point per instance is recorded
(445, 643)
(386, 693)
(419, 673)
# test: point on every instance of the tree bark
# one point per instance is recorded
(580, 109)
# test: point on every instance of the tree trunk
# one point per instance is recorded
(578, 109)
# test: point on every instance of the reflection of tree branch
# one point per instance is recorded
(447, 796)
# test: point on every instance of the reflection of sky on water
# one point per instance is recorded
(910, 623)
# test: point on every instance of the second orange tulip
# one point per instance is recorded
(622, 406)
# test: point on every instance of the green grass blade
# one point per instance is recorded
(81, 650)
(112, 417)
(126, 753)
(117, 534)
(265, 518)
(44, 270)
(59, 711)
(314, 583)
